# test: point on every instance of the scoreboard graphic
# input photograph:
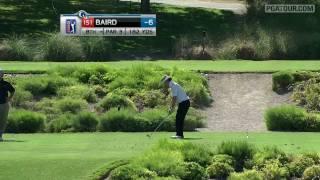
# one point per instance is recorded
(85, 24)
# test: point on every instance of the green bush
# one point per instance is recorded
(21, 98)
(312, 173)
(299, 165)
(223, 158)
(68, 122)
(61, 48)
(115, 101)
(100, 91)
(123, 120)
(96, 48)
(194, 120)
(281, 80)
(45, 85)
(49, 107)
(286, 118)
(194, 171)
(72, 105)
(241, 151)
(154, 117)
(199, 94)
(22, 121)
(247, 175)
(78, 91)
(132, 172)
(219, 170)
(85, 122)
(269, 153)
(273, 170)
(191, 152)
(16, 48)
(63, 123)
(163, 162)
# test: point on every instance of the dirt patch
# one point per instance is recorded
(240, 101)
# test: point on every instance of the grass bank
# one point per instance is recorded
(210, 66)
(76, 156)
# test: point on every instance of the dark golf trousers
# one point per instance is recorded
(181, 114)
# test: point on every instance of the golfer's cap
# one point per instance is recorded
(165, 78)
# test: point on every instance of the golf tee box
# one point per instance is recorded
(85, 24)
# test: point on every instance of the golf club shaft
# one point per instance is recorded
(159, 125)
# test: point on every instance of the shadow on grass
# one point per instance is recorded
(38, 17)
(11, 140)
(191, 139)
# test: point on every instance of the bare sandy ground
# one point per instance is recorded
(240, 101)
(236, 6)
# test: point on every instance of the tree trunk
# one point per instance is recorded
(145, 6)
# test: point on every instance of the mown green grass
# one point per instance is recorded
(211, 66)
(76, 156)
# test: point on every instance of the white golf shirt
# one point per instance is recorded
(177, 91)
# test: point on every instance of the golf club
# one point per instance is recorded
(165, 119)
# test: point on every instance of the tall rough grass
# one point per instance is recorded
(16, 48)
(61, 48)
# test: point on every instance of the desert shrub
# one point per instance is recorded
(16, 48)
(299, 164)
(247, 175)
(99, 91)
(313, 155)
(194, 171)
(121, 120)
(63, 123)
(150, 98)
(96, 48)
(269, 153)
(223, 158)
(114, 100)
(85, 122)
(191, 152)
(219, 170)
(21, 97)
(307, 94)
(286, 118)
(163, 162)
(131, 172)
(78, 91)
(241, 151)
(48, 107)
(61, 48)
(304, 75)
(281, 80)
(312, 173)
(273, 170)
(72, 105)
(22, 121)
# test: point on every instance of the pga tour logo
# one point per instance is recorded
(71, 26)
(290, 8)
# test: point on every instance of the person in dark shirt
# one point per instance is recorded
(5, 98)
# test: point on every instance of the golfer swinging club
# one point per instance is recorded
(5, 88)
(180, 97)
